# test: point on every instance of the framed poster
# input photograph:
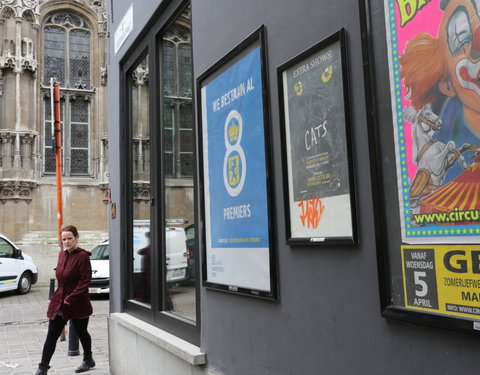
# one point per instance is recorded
(234, 136)
(436, 118)
(428, 156)
(320, 194)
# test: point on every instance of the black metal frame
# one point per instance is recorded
(339, 36)
(148, 42)
(257, 38)
(378, 114)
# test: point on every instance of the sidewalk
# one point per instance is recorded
(23, 328)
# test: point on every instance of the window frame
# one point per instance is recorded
(149, 43)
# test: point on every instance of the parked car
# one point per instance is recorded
(100, 283)
(17, 270)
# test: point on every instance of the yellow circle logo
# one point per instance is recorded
(298, 87)
(327, 74)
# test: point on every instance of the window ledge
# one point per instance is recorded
(171, 343)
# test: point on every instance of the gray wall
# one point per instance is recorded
(328, 319)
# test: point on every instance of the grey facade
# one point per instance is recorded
(328, 318)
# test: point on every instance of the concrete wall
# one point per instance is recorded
(328, 319)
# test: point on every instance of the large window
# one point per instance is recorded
(160, 285)
(67, 61)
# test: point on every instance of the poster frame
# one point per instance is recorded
(255, 39)
(379, 113)
(319, 240)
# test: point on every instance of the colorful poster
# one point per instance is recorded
(442, 279)
(236, 209)
(434, 60)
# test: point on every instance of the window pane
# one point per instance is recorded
(54, 55)
(49, 160)
(169, 67)
(49, 143)
(79, 135)
(80, 110)
(140, 268)
(79, 58)
(186, 164)
(180, 252)
(185, 69)
(79, 161)
(6, 250)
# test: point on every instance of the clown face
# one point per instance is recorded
(459, 36)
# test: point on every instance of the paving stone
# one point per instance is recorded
(23, 328)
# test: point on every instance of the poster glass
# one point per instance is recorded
(233, 131)
(319, 178)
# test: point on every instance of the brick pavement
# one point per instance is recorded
(23, 328)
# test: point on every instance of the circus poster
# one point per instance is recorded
(434, 62)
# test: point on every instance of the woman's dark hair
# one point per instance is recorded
(71, 228)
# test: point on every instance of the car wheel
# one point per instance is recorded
(24, 284)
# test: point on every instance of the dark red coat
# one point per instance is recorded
(73, 273)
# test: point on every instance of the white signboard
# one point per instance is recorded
(124, 29)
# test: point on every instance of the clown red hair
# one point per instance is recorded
(422, 68)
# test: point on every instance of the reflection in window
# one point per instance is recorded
(178, 168)
(140, 182)
(177, 100)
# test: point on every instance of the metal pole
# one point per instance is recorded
(58, 159)
(73, 347)
(72, 335)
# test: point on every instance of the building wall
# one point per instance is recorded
(328, 319)
(27, 194)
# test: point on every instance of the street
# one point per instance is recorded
(23, 328)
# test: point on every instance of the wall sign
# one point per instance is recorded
(234, 139)
(316, 134)
(124, 29)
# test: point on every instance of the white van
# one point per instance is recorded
(176, 250)
(177, 257)
(17, 270)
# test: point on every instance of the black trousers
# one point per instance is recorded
(55, 328)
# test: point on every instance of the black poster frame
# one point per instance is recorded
(384, 179)
(256, 39)
(344, 126)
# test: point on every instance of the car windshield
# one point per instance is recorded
(100, 252)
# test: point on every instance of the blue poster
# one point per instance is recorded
(234, 156)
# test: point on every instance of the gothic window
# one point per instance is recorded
(177, 103)
(67, 51)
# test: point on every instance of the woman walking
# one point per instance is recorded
(70, 301)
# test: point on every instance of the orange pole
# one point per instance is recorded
(58, 170)
(58, 159)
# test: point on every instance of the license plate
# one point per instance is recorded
(94, 290)
(176, 274)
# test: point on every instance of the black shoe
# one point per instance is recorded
(86, 365)
(42, 369)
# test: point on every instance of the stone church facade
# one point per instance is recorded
(63, 40)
